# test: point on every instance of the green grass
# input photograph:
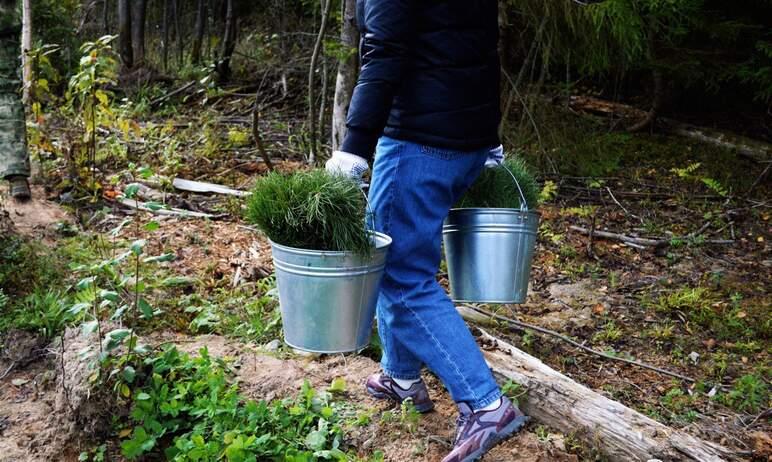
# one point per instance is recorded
(311, 210)
(495, 188)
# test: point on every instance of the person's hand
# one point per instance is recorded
(350, 165)
(495, 157)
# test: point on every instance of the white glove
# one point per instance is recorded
(350, 165)
(495, 157)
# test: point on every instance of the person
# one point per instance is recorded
(14, 159)
(426, 107)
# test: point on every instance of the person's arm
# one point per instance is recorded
(389, 29)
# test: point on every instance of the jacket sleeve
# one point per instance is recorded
(388, 30)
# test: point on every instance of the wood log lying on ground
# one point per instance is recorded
(623, 434)
(750, 148)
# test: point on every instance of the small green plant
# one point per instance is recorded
(46, 312)
(610, 333)
(311, 210)
(750, 393)
(495, 188)
(409, 416)
(514, 391)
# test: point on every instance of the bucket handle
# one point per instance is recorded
(368, 207)
(523, 203)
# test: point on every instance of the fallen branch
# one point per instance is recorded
(143, 206)
(623, 434)
(483, 317)
(640, 241)
(202, 187)
(172, 94)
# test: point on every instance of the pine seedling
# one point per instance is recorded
(311, 210)
(495, 188)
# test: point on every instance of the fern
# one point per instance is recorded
(715, 186)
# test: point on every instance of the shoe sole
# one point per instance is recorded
(513, 427)
(422, 409)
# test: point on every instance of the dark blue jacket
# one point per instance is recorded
(430, 74)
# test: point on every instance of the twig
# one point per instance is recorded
(8, 371)
(622, 206)
(640, 241)
(172, 94)
(576, 344)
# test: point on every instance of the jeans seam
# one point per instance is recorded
(399, 375)
(444, 352)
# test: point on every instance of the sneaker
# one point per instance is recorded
(19, 188)
(381, 386)
(480, 431)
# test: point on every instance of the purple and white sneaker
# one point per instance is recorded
(480, 431)
(381, 386)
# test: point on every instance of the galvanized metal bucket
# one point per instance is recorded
(489, 253)
(328, 299)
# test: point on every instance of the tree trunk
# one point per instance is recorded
(620, 432)
(138, 15)
(198, 38)
(228, 44)
(347, 73)
(167, 11)
(26, 46)
(326, 6)
(125, 49)
(106, 17)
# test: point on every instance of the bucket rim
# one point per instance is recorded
(494, 210)
(383, 241)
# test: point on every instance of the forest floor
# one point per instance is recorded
(691, 306)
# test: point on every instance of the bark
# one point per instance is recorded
(659, 96)
(106, 17)
(125, 49)
(623, 434)
(165, 26)
(228, 44)
(313, 135)
(198, 37)
(347, 73)
(138, 16)
(26, 46)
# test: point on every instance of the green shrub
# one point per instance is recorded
(495, 188)
(310, 210)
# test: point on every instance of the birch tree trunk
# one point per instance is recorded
(347, 73)
(26, 46)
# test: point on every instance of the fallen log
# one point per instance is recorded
(623, 434)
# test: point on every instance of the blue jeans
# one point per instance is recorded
(413, 188)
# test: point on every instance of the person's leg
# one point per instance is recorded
(413, 189)
(14, 159)
(396, 361)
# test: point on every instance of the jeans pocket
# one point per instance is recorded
(441, 153)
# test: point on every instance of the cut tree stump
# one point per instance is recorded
(623, 434)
